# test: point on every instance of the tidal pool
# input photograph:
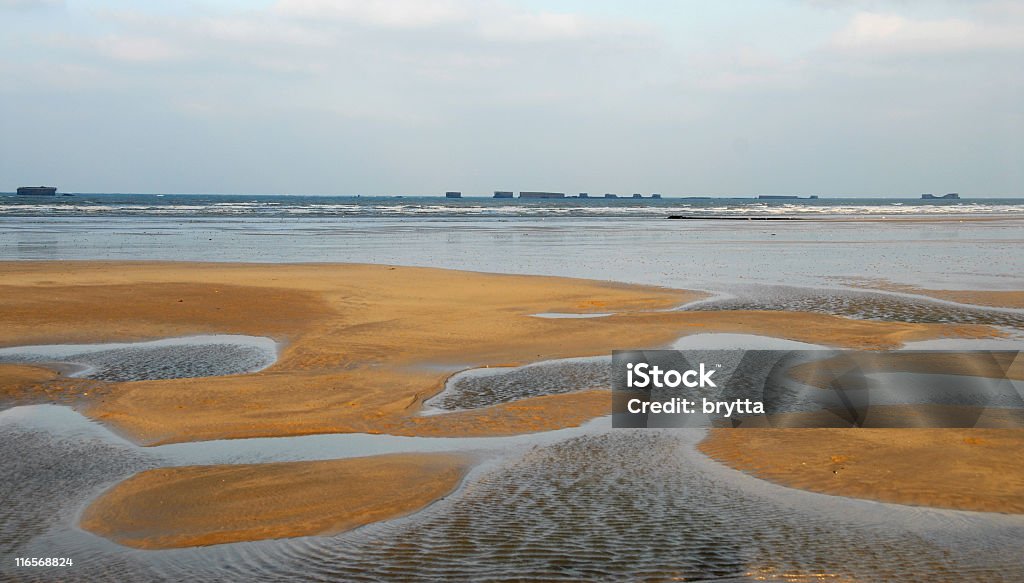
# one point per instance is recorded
(600, 504)
(171, 358)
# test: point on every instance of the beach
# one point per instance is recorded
(343, 433)
(360, 353)
(362, 348)
(511, 291)
(964, 469)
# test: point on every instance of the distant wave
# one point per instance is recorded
(300, 206)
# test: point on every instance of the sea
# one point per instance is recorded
(586, 503)
(940, 244)
(282, 206)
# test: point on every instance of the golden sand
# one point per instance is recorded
(363, 343)
(206, 505)
(965, 469)
(992, 298)
(21, 380)
(363, 347)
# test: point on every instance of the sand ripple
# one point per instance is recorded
(172, 358)
(864, 306)
(484, 387)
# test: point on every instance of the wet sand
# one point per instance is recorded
(362, 344)
(997, 299)
(963, 469)
(991, 298)
(206, 505)
(363, 347)
(20, 380)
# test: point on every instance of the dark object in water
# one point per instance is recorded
(702, 218)
(541, 195)
(502, 194)
(950, 196)
(453, 194)
(37, 190)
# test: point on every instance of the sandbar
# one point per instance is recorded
(963, 469)
(990, 298)
(363, 345)
(207, 505)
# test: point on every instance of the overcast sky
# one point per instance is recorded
(682, 97)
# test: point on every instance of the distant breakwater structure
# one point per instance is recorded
(546, 195)
(540, 195)
(733, 218)
(37, 191)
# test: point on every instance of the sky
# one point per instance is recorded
(377, 97)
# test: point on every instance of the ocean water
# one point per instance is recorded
(624, 240)
(269, 206)
(589, 503)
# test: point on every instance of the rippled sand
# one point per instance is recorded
(863, 305)
(610, 505)
(486, 387)
(176, 358)
(594, 504)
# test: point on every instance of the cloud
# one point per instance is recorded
(30, 4)
(380, 13)
(254, 29)
(504, 90)
(486, 19)
(871, 32)
(453, 50)
(524, 26)
(138, 48)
